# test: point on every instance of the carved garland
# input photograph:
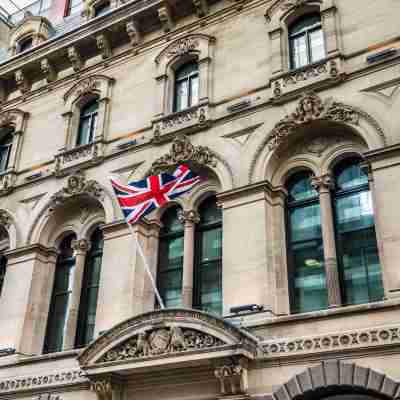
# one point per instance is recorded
(312, 108)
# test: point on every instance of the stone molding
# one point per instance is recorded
(188, 216)
(169, 338)
(323, 182)
(233, 377)
(311, 108)
(5, 219)
(333, 342)
(56, 379)
(182, 150)
(337, 373)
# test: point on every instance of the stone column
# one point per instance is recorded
(324, 184)
(80, 247)
(189, 218)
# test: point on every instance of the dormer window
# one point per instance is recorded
(306, 40)
(102, 8)
(25, 44)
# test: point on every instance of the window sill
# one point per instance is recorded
(187, 121)
(80, 156)
(322, 74)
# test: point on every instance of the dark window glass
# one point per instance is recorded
(186, 86)
(87, 123)
(170, 260)
(74, 7)
(24, 44)
(5, 150)
(60, 298)
(356, 239)
(306, 41)
(208, 256)
(305, 247)
(3, 266)
(102, 8)
(90, 289)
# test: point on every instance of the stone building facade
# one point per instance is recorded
(288, 110)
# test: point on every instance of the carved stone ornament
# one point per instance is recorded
(161, 341)
(81, 245)
(6, 119)
(191, 216)
(183, 151)
(76, 185)
(5, 219)
(102, 388)
(290, 4)
(232, 377)
(311, 108)
(323, 182)
(179, 48)
(84, 87)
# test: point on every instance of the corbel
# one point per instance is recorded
(201, 7)
(133, 32)
(165, 17)
(75, 58)
(3, 91)
(22, 82)
(48, 70)
(103, 45)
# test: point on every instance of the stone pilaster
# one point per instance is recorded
(324, 184)
(189, 218)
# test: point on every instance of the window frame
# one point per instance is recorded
(92, 117)
(3, 270)
(7, 149)
(189, 78)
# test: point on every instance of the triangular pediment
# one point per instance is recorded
(177, 334)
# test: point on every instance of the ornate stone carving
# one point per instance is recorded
(48, 70)
(84, 88)
(22, 81)
(103, 45)
(191, 216)
(183, 151)
(290, 4)
(48, 396)
(7, 182)
(323, 182)
(133, 32)
(164, 15)
(160, 341)
(5, 219)
(75, 58)
(103, 389)
(342, 113)
(38, 381)
(232, 377)
(201, 7)
(80, 245)
(6, 119)
(182, 46)
(76, 185)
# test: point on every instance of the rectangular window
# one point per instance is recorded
(299, 51)
(73, 7)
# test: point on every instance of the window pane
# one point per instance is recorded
(211, 245)
(317, 46)
(84, 131)
(350, 175)
(194, 90)
(305, 223)
(299, 54)
(3, 266)
(4, 156)
(211, 294)
(182, 95)
(299, 187)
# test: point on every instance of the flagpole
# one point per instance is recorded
(146, 266)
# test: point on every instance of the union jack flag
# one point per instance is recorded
(139, 198)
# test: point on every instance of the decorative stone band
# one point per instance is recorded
(372, 337)
(26, 383)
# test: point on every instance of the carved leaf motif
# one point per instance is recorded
(166, 340)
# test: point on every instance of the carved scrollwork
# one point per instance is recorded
(232, 377)
(183, 151)
(160, 341)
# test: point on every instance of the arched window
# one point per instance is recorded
(3, 266)
(357, 248)
(6, 140)
(306, 41)
(304, 245)
(90, 289)
(87, 123)
(186, 86)
(60, 298)
(170, 260)
(208, 258)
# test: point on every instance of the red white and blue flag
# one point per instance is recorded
(139, 198)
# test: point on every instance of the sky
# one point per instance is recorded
(11, 8)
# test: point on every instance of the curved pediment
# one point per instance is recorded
(173, 333)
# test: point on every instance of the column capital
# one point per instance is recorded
(188, 216)
(80, 245)
(323, 182)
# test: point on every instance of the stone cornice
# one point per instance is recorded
(382, 153)
(32, 249)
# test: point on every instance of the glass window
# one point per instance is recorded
(186, 86)
(5, 148)
(306, 41)
(170, 259)
(60, 299)
(3, 266)
(208, 256)
(305, 247)
(102, 8)
(24, 44)
(74, 7)
(357, 248)
(90, 289)
(87, 123)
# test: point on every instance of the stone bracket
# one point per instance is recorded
(22, 82)
(132, 29)
(75, 58)
(48, 70)
(233, 376)
(103, 45)
(201, 7)
(165, 16)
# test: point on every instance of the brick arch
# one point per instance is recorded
(338, 374)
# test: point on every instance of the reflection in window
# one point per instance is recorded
(208, 256)
(356, 239)
(87, 123)
(305, 247)
(60, 298)
(306, 41)
(186, 86)
(3, 266)
(170, 260)
(73, 7)
(90, 289)
(102, 8)
(5, 148)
